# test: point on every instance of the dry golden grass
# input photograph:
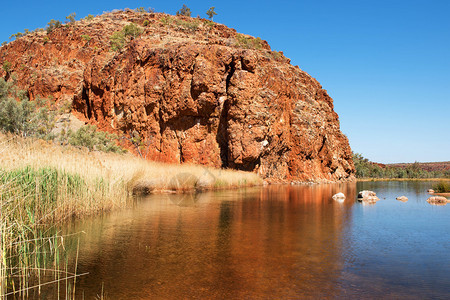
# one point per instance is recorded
(124, 173)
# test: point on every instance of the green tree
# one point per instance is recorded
(211, 13)
(184, 11)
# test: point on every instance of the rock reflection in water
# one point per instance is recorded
(283, 241)
(270, 242)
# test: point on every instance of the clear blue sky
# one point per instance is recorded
(385, 62)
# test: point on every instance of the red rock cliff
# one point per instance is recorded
(196, 91)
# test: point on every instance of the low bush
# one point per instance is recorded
(184, 11)
(88, 136)
(249, 42)
(52, 25)
(6, 67)
(21, 116)
(166, 20)
(189, 25)
(140, 10)
(86, 37)
(119, 38)
(71, 18)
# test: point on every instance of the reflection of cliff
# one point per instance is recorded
(283, 241)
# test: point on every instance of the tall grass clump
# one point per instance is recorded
(36, 195)
(442, 187)
(31, 250)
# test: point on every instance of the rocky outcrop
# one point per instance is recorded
(438, 200)
(368, 197)
(194, 91)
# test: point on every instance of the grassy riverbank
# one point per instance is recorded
(43, 184)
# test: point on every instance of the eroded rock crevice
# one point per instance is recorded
(85, 99)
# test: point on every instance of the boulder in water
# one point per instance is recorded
(367, 197)
(338, 197)
(438, 200)
(402, 198)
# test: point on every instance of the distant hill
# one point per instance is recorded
(368, 169)
(427, 166)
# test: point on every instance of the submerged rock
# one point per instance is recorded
(402, 198)
(438, 200)
(367, 197)
(338, 197)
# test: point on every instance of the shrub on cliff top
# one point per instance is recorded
(249, 42)
(211, 13)
(71, 18)
(191, 25)
(52, 25)
(89, 17)
(184, 11)
(119, 38)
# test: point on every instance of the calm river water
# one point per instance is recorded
(282, 242)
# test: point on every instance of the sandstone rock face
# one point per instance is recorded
(194, 94)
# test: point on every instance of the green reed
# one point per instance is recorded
(33, 201)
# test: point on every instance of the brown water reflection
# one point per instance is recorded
(282, 241)
(271, 242)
